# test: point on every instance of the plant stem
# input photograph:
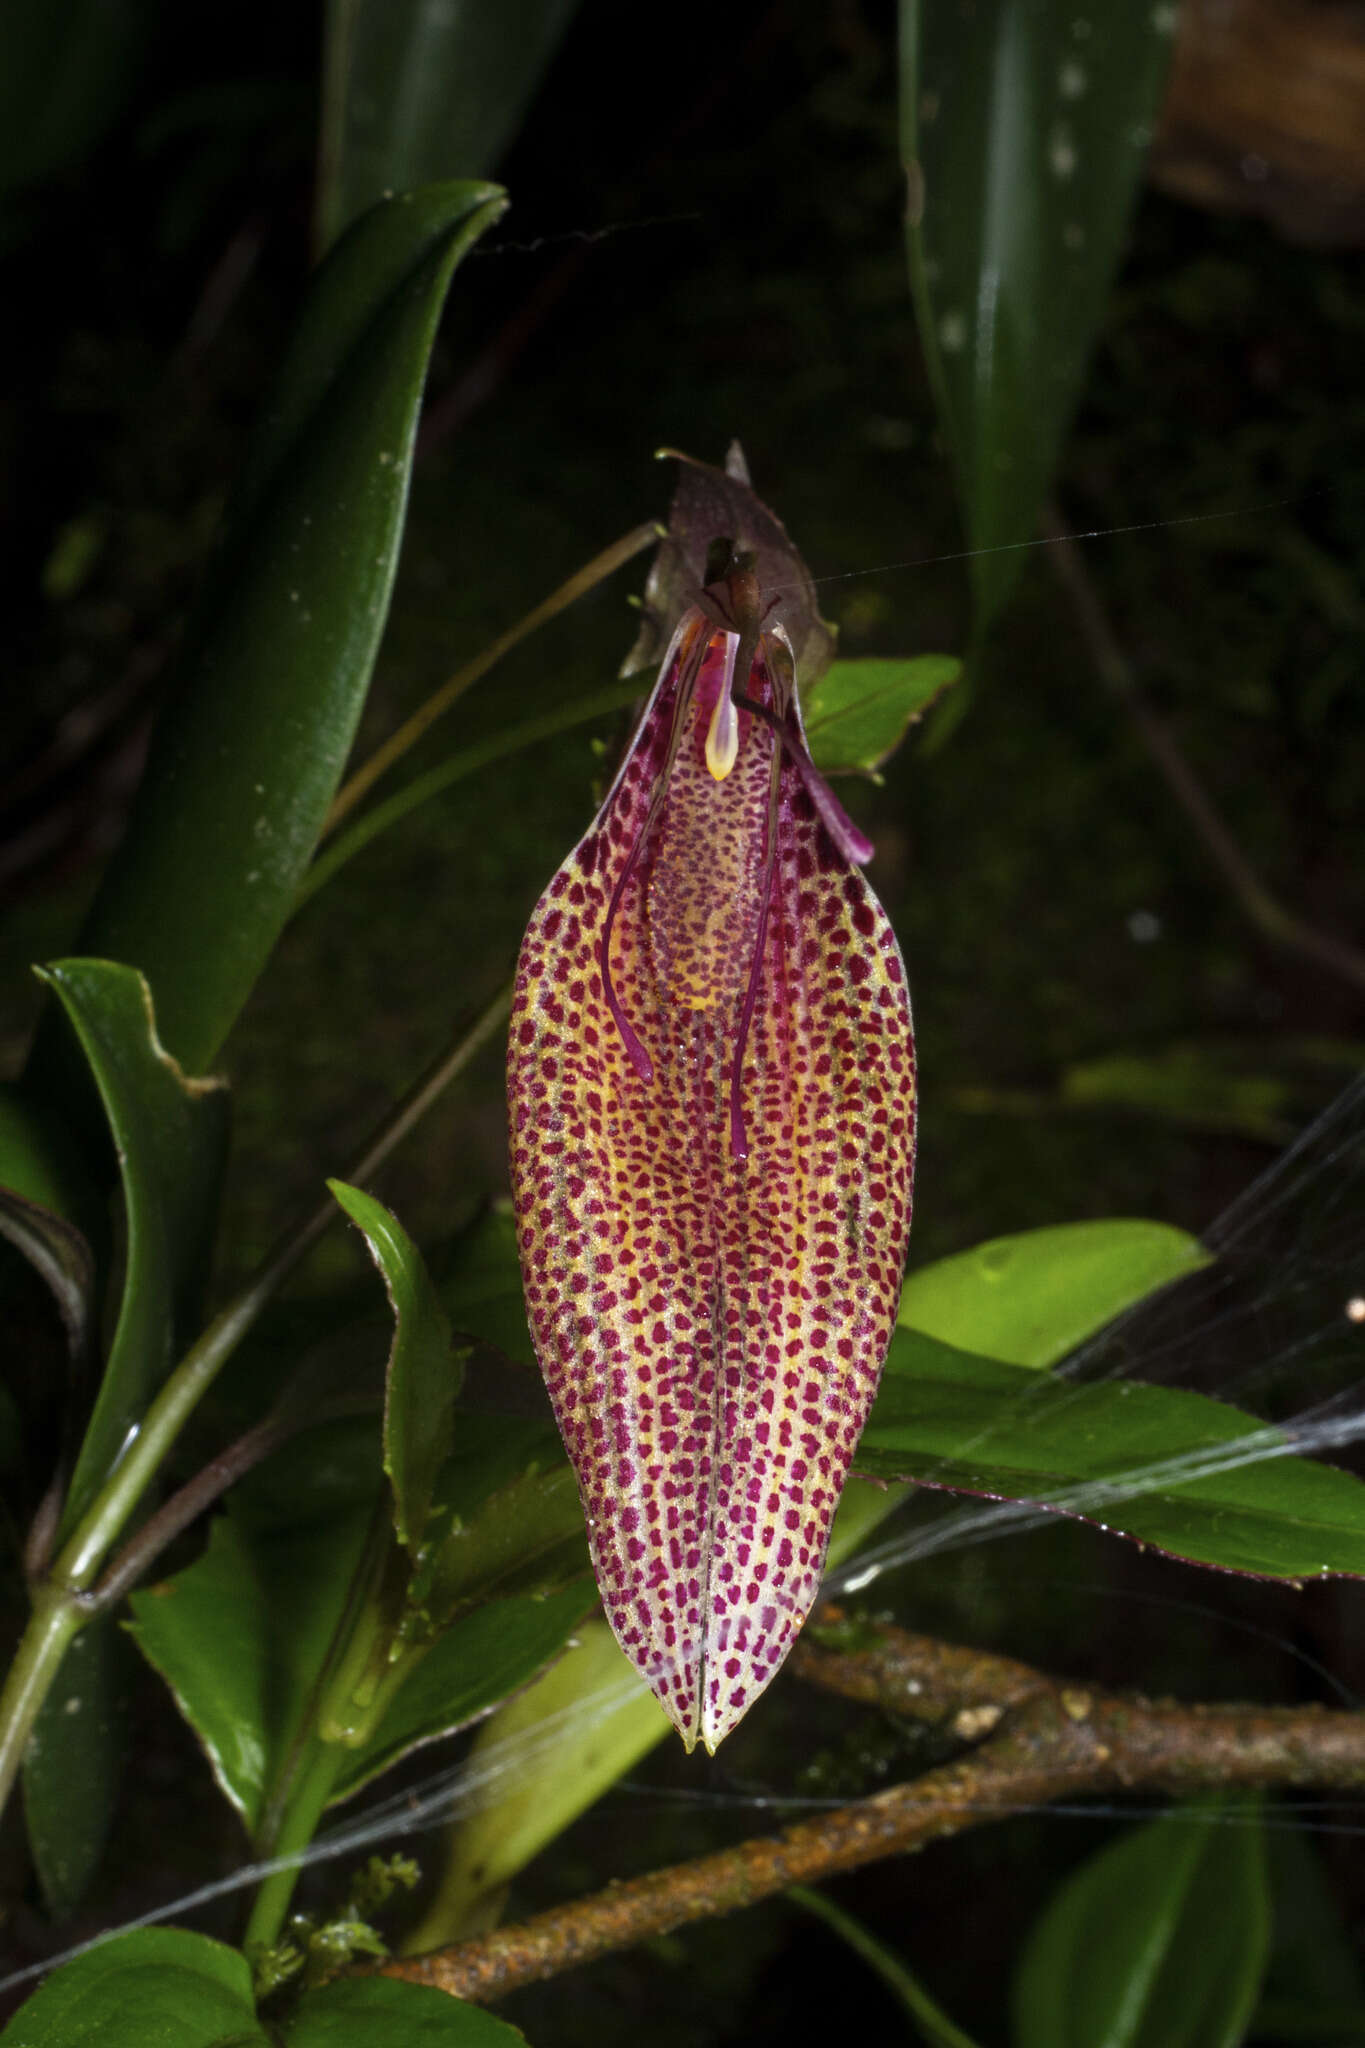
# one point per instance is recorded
(60, 1610)
(53, 1626)
(398, 743)
(1256, 902)
(1036, 1739)
(297, 1829)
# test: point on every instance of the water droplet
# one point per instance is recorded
(1080, 28)
(1073, 235)
(1072, 79)
(1143, 927)
(952, 333)
(1163, 17)
(1061, 152)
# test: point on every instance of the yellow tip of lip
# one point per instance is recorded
(722, 737)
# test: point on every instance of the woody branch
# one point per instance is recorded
(1031, 1739)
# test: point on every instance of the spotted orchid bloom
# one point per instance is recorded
(712, 1090)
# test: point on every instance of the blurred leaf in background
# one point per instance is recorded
(420, 90)
(1024, 124)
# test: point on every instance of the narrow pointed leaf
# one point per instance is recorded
(170, 1131)
(424, 1371)
(413, 93)
(1187, 1475)
(1023, 129)
(1032, 1297)
(250, 747)
(712, 1088)
(1159, 1941)
(156, 1985)
(860, 711)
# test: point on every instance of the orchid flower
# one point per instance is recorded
(712, 1089)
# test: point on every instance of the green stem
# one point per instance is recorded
(312, 1790)
(397, 744)
(455, 769)
(929, 2018)
(55, 1622)
(60, 1610)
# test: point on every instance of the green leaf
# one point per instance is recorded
(250, 748)
(240, 1637)
(1188, 1475)
(413, 92)
(1198, 1086)
(74, 1763)
(1159, 1941)
(383, 2012)
(170, 1132)
(860, 711)
(1023, 128)
(1031, 1298)
(528, 1532)
(424, 1372)
(1313, 1988)
(481, 1285)
(484, 1656)
(155, 1988)
(578, 1729)
(49, 1209)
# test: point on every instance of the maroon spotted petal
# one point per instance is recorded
(712, 1263)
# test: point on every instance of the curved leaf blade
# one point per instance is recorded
(1190, 1476)
(170, 1132)
(1023, 128)
(414, 93)
(240, 1637)
(859, 712)
(73, 1765)
(482, 1658)
(250, 748)
(1159, 1941)
(1033, 1297)
(424, 1373)
(157, 1984)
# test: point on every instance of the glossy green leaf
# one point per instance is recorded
(481, 1287)
(250, 747)
(482, 1658)
(1023, 129)
(1035, 1296)
(424, 1372)
(1197, 1086)
(1188, 1475)
(584, 1723)
(49, 1209)
(240, 1637)
(157, 1987)
(170, 1132)
(860, 711)
(413, 93)
(1159, 1941)
(528, 1532)
(383, 2012)
(74, 1763)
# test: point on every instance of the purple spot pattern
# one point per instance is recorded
(711, 1329)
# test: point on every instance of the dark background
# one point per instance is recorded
(712, 203)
